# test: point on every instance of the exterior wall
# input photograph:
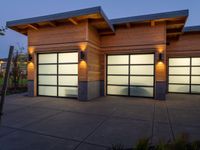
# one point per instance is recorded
(64, 38)
(140, 39)
(90, 84)
(187, 45)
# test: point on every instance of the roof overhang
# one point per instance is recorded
(175, 21)
(74, 17)
(191, 29)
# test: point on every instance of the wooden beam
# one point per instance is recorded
(174, 34)
(33, 27)
(128, 25)
(73, 21)
(52, 24)
(153, 23)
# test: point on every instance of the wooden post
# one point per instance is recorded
(5, 82)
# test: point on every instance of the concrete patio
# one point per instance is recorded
(43, 123)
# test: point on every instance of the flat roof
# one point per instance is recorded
(182, 14)
(157, 16)
(60, 16)
(192, 29)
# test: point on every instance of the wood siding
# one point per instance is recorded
(58, 35)
(187, 45)
(136, 36)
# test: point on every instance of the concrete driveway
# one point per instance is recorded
(43, 123)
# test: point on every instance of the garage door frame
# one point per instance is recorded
(190, 76)
(129, 75)
(57, 74)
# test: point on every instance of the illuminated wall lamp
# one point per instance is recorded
(160, 57)
(30, 58)
(82, 55)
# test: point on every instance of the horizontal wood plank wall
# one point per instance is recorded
(93, 55)
(138, 36)
(58, 35)
(187, 45)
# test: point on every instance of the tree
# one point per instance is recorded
(18, 62)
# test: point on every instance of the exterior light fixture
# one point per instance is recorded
(82, 55)
(160, 57)
(30, 58)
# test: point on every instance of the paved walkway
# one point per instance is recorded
(43, 123)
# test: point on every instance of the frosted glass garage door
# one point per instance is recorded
(58, 74)
(130, 75)
(184, 75)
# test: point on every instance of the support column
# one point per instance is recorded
(160, 75)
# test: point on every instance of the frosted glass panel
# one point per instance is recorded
(47, 58)
(117, 90)
(118, 59)
(68, 57)
(179, 61)
(118, 70)
(142, 70)
(47, 69)
(179, 70)
(196, 61)
(141, 91)
(47, 90)
(47, 80)
(195, 70)
(68, 91)
(120, 80)
(179, 79)
(68, 69)
(195, 88)
(68, 80)
(142, 59)
(135, 80)
(179, 88)
(195, 79)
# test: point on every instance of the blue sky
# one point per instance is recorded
(19, 9)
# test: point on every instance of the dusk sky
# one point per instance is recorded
(19, 9)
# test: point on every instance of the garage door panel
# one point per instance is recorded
(142, 91)
(186, 73)
(179, 61)
(138, 80)
(68, 69)
(179, 88)
(117, 90)
(196, 71)
(195, 89)
(132, 77)
(68, 80)
(118, 59)
(179, 79)
(47, 58)
(142, 59)
(47, 69)
(58, 74)
(68, 91)
(71, 57)
(179, 70)
(47, 80)
(47, 90)
(195, 80)
(142, 70)
(120, 70)
(195, 61)
(118, 80)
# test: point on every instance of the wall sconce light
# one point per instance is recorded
(30, 58)
(160, 57)
(82, 55)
